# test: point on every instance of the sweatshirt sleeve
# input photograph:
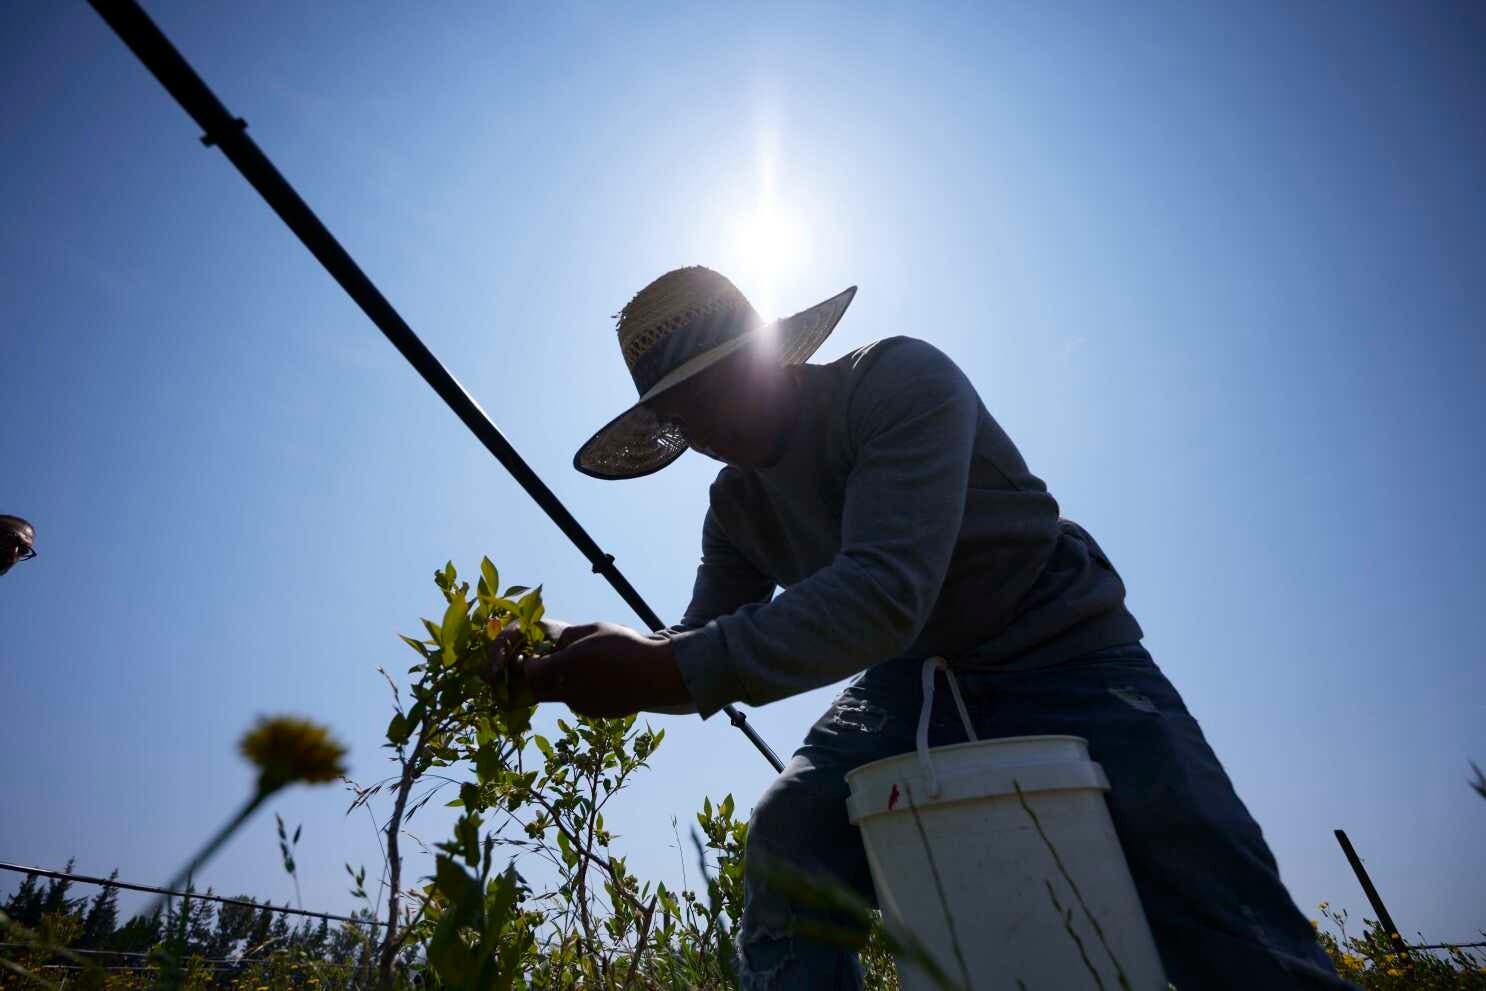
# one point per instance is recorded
(725, 581)
(911, 424)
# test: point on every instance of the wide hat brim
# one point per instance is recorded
(636, 443)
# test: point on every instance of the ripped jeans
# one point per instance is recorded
(1209, 884)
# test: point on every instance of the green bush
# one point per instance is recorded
(1371, 961)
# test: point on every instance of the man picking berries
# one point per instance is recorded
(901, 523)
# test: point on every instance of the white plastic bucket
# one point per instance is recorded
(974, 868)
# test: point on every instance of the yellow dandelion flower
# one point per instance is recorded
(286, 749)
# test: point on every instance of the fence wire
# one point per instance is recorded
(153, 889)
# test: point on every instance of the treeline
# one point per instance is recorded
(220, 944)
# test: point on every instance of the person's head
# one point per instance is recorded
(710, 373)
(735, 410)
(17, 541)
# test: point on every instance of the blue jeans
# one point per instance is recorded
(1211, 891)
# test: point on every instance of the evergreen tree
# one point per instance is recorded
(138, 934)
(280, 931)
(344, 943)
(352, 942)
(234, 924)
(259, 934)
(172, 911)
(25, 905)
(188, 923)
(299, 937)
(102, 917)
(173, 949)
(55, 900)
(201, 925)
(175, 911)
(319, 939)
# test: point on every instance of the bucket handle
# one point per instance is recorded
(930, 666)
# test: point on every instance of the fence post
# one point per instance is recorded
(1384, 919)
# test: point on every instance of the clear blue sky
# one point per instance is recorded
(1217, 271)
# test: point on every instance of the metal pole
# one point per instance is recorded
(229, 133)
(1384, 919)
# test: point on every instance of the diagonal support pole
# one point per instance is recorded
(228, 133)
(1384, 919)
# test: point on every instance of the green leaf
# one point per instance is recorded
(467, 831)
(416, 645)
(515, 590)
(725, 808)
(544, 746)
(529, 603)
(499, 973)
(455, 628)
(398, 729)
(499, 901)
(456, 963)
(518, 721)
(490, 575)
(487, 763)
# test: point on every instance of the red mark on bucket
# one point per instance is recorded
(892, 798)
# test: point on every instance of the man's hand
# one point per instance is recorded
(600, 669)
(509, 641)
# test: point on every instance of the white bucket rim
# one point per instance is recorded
(952, 747)
(918, 781)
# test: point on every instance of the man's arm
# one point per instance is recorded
(603, 669)
(913, 419)
(726, 581)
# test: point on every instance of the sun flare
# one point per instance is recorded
(768, 235)
(768, 243)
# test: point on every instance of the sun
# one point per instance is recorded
(768, 243)
(768, 238)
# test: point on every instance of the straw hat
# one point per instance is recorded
(682, 323)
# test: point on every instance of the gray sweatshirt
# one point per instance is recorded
(900, 520)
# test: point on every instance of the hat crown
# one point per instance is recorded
(678, 316)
